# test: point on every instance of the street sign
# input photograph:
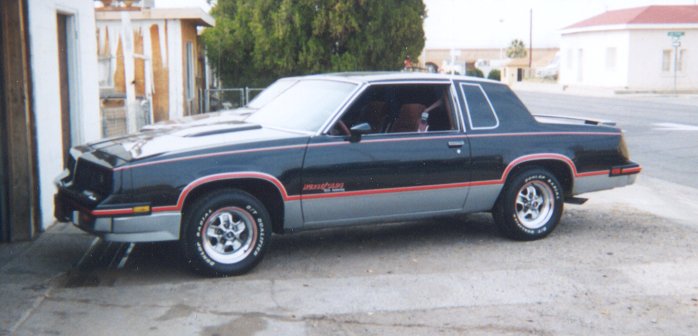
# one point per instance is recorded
(675, 35)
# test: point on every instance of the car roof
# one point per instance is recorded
(368, 77)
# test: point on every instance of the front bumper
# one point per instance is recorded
(153, 227)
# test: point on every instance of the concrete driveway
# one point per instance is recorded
(626, 262)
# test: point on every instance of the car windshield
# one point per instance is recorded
(305, 106)
(270, 93)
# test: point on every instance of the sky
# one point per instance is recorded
(465, 24)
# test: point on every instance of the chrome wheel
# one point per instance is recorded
(535, 204)
(229, 234)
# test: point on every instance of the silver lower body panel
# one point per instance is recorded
(163, 226)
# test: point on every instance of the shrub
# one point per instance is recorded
(495, 74)
(475, 73)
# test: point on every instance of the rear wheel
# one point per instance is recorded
(530, 206)
(225, 233)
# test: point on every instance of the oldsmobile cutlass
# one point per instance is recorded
(337, 149)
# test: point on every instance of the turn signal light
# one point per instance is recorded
(141, 209)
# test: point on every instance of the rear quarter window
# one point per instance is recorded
(478, 108)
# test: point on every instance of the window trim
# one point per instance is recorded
(467, 107)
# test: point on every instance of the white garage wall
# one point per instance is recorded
(646, 60)
(595, 64)
(46, 92)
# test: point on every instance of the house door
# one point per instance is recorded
(64, 83)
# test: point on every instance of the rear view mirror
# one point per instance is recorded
(358, 130)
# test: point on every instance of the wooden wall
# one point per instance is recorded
(18, 133)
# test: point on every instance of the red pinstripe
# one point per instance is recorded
(287, 198)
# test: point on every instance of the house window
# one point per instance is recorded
(666, 60)
(610, 59)
(190, 71)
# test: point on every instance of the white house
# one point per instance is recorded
(630, 49)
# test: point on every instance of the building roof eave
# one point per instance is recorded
(197, 15)
(620, 27)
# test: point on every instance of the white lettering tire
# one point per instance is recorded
(530, 205)
(225, 233)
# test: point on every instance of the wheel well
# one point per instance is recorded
(559, 169)
(265, 191)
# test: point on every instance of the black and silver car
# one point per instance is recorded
(338, 149)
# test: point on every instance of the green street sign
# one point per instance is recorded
(675, 34)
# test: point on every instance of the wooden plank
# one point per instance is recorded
(22, 170)
(139, 63)
(161, 97)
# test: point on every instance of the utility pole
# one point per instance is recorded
(530, 40)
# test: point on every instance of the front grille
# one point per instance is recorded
(92, 177)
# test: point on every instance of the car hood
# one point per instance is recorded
(172, 139)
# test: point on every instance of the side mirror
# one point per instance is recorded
(358, 130)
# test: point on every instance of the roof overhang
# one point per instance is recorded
(619, 27)
(197, 15)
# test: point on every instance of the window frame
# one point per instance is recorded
(467, 107)
(458, 122)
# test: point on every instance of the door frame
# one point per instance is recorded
(71, 27)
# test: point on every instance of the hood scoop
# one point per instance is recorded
(207, 130)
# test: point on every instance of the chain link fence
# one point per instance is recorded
(229, 98)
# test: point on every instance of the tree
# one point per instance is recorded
(255, 42)
(517, 49)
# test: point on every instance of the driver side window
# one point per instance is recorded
(404, 108)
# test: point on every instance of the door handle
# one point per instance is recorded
(456, 144)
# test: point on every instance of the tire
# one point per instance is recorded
(225, 233)
(530, 205)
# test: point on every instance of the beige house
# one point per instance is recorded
(151, 66)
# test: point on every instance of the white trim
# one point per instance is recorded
(467, 108)
(663, 26)
(73, 60)
(174, 54)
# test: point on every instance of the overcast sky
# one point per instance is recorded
(494, 23)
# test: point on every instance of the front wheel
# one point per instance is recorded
(530, 205)
(225, 233)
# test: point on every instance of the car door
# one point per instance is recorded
(400, 169)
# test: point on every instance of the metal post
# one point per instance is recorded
(530, 41)
(207, 100)
(676, 45)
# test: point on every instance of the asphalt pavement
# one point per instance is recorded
(625, 262)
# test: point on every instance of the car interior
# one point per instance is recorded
(400, 109)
